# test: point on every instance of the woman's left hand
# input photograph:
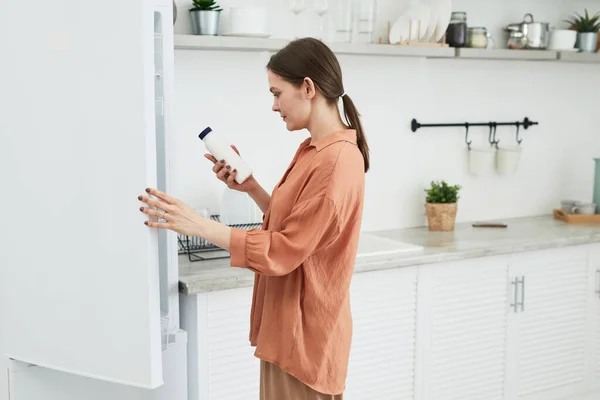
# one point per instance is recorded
(177, 215)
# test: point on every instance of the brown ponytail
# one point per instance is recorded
(309, 57)
(353, 119)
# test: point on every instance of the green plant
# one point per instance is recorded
(441, 192)
(205, 5)
(585, 23)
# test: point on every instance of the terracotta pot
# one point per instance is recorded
(441, 216)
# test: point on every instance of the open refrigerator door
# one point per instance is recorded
(87, 289)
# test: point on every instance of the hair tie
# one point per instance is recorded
(343, 94)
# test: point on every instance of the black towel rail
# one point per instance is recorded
(526, 123)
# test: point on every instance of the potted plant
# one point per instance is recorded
(441, 205)
(587, 30)
(205, 15)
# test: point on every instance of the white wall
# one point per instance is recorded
(228, 91)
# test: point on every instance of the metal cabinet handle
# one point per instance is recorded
(523, 293)
(516, 302)
(598, 282)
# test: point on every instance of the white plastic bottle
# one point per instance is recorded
(221, 150)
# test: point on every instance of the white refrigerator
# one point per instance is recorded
(89, 304)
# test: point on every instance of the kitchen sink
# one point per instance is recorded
(370, 245)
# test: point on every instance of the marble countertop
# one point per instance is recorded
(522, 234)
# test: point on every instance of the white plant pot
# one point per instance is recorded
(482, 160)
(562, 39)
(507, 159)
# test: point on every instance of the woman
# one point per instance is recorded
(303, 257)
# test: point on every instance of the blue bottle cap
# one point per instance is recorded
(204, 133)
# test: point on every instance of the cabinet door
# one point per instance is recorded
(79, 271)
(382, 358)
(462, 330)
(233, 371)
(548, 329)
(593, 348)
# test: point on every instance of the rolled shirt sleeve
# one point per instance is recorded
(310, 226)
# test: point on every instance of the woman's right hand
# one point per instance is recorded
(226, 175)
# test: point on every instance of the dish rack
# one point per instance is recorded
(196, 248)
(410, 41)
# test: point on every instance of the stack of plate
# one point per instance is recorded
(420, 21)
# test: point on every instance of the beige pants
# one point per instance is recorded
(276, 384)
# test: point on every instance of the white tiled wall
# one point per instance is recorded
(228, 91)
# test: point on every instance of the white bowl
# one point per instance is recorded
(250, 21)
(562, 39)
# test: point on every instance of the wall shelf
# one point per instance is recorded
(231, 43)
(506, 54)
(197, 42)
(391, 50)
(579, 57)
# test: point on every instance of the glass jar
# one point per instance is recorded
(456, 34)
(477, 37)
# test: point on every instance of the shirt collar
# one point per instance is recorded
(346, 135)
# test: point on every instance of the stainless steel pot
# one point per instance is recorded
(528, 34)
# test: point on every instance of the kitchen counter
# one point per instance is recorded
(522, 234)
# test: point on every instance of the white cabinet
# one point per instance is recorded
(593, 291)
(507, 328)
(548, 324)
(221, 363)
(382, 357)
(230, 356)
(524, 326)
(462, 329)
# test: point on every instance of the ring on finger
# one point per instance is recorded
(163, 216)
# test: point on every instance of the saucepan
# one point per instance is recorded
(528, 34)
